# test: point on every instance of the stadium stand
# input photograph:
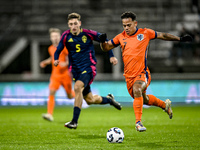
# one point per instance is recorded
(30, 20)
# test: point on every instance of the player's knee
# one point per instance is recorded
(77, 89)
(52, 92)
(137, 92)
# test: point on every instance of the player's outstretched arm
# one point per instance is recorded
(105, 45)
(60, 47)
(170, 37)
(45, 62)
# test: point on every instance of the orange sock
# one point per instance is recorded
(137, 106)
(50, 104)
(156, 101)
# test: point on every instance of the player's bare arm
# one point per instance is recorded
(105, 45)
(167, 36)
(45, 62)
(170, 37)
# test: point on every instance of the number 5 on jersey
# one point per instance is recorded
(78, 49)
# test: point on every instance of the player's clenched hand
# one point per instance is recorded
(186, 38)
(56, 62)
(42, 64)
(103, 37)
(113, 60)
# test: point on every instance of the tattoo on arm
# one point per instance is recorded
(167, 36)
(170, 37)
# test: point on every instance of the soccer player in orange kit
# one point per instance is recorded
(134, 44)
(60, 75)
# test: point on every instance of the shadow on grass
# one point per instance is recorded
(149, 145)
(93, 136)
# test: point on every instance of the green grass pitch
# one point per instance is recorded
(23, 128)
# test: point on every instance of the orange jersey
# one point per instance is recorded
(58, 71)
(134, 50)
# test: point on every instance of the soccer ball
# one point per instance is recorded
(115, 135)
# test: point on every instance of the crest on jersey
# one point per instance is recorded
(84, 39)
(140, 37)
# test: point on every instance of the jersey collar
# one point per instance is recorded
(135, 31)
(131, 34)
(78, 34)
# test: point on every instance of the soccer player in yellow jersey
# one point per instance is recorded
(134, 44)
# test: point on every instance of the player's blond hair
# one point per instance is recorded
(54, 30)
(74, 15)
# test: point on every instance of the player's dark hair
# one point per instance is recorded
(74, 15)
(129, 14)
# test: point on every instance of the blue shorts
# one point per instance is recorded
(87, 79)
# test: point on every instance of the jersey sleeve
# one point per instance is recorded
(152, 34)
(94, 35)
(110, 53)
(115, 41)
(60, 46)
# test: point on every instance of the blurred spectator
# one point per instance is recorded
(183, 53)
(196, 47)
(185, 31)
(196, 35)
(195, 6)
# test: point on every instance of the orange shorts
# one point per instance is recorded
(66, 82)
(144, 76)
